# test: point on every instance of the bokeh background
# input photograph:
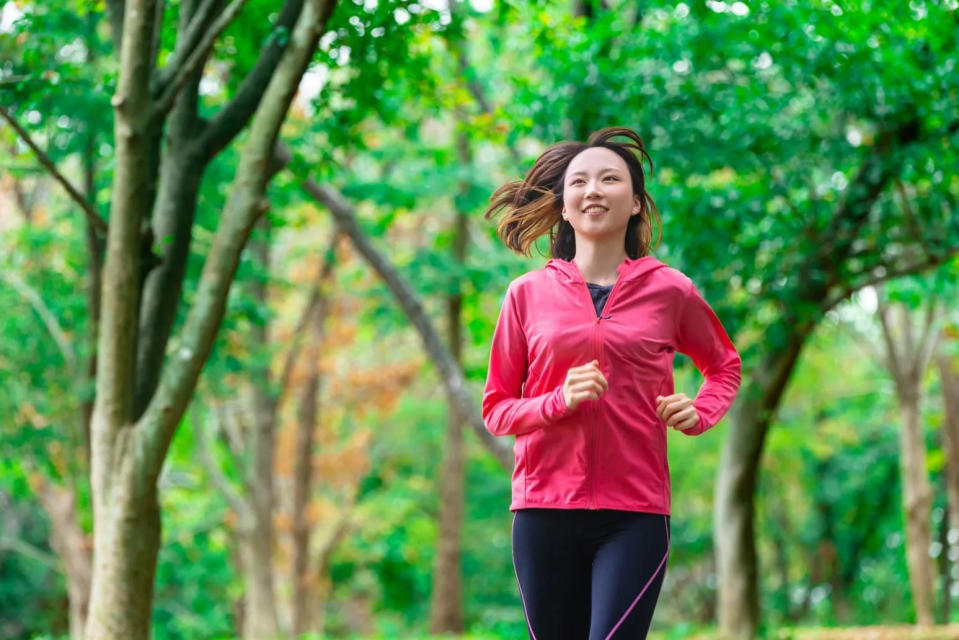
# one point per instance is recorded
(323, 479)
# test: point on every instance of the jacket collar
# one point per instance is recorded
(629, 269)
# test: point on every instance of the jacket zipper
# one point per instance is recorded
(598, 344)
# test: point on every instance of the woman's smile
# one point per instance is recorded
(595, 210)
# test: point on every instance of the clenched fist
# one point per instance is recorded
(677, 411)
(584, 382)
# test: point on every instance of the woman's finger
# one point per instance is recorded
(588, 385)
(680, 418)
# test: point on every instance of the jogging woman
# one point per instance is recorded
(581, 372)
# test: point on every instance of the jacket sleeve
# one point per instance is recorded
(702, 337)
(505, 411)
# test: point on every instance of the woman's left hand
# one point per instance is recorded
(677, 411)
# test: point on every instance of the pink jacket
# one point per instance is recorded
(608, 453)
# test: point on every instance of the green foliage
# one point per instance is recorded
(760, 125)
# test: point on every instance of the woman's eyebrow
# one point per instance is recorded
(582, 173)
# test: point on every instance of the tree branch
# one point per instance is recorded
(235, 437)
(893, 357)
(32, 552)
(449, 371)
(888, 273)
(877, 357)
(49, 319)
(48, 164)
(233, 117)
(193, 28)
(115, 11)
(157, 31)
(220, 481)
(910, 216)
(179, 74)
(244, 206)
(929, 337)
(326, 268)
(472, 83)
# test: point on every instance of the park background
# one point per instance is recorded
(246, 283)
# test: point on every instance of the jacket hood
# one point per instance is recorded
(629, 269)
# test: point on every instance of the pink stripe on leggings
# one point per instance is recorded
(522, 599)
(648, 582)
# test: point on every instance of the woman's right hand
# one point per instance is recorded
(584, 382)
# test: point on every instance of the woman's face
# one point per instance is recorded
(598, 197)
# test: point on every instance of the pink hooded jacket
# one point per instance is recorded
(608, 453)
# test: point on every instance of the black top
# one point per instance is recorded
(599, 292)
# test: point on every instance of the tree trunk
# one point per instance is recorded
(259, 603)
(126, 541)
(302, 613)
(446, 611)
(907, 357)
(302, 476)
(125, 507)
(949, 377)
(72, 546)
(734, 516)
(260, 607)
(917, 500)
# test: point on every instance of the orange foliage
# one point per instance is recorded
(377, 388)
(283, 523)
(320, 511)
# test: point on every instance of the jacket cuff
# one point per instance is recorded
(699, 428)
(555, 406)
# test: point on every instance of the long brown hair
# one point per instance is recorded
(533, 205)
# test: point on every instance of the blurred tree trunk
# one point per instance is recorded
(72, 547)
(949, 377)
(907, 357)
(302, 608)
(257, 536)
(252, 437)
(446, 613)
(734, 516)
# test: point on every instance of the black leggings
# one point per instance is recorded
(589, 574)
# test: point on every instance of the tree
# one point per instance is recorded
(139, 402)
(907, 355)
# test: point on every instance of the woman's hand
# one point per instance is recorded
(677, 411)
(584, 382)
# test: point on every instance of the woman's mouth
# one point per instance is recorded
(594, 210)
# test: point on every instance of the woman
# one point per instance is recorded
(580, 371)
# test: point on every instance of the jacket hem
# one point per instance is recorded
(640, 508)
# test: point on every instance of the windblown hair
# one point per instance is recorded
(534, 205)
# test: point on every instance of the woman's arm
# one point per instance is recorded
(505, 412)
(701, 336)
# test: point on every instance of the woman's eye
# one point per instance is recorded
(578, 181)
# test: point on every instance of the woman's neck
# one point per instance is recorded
(598, 261)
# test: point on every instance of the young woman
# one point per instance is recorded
(580, 371)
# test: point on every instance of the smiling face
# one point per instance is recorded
(598, 197)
